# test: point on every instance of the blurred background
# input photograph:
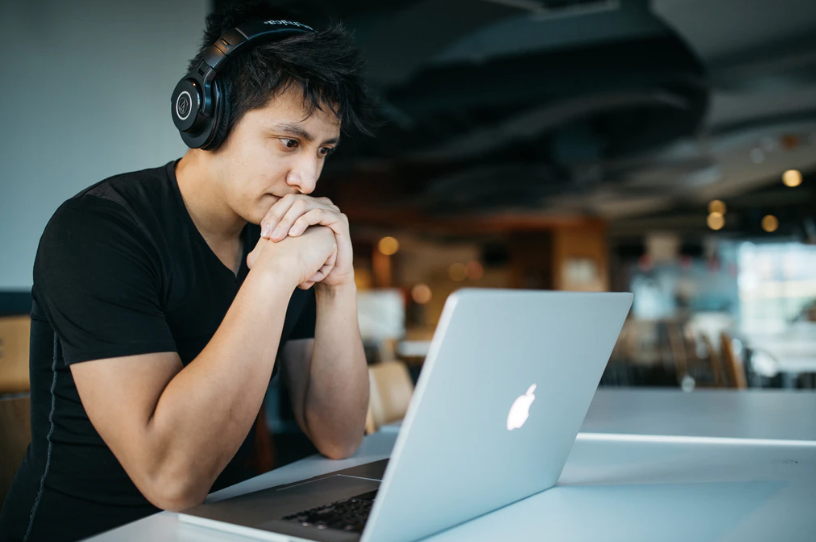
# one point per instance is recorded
(663, 147)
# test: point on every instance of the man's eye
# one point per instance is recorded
(289, 143)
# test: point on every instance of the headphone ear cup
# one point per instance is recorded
(197, 129)
(186, 104)
(188, 100)
(220, 119)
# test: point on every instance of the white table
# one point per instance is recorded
(640, 491)
(627, 488)
(748, 414)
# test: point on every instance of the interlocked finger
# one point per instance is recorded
(278, 222)
(322, 273)
(311, 218)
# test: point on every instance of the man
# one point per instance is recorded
(161, 311)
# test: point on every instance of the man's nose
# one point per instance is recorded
(303, 175)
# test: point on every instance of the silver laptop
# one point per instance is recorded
(502, 394)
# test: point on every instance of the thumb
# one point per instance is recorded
(252, 257)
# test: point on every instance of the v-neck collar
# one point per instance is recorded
(194, 232)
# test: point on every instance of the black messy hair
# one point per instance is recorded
(326, 65)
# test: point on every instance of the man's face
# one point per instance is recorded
(274, 151)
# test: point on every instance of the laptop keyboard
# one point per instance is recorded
(348, 515)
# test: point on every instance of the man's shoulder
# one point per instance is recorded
(128, 189)
(133, 201)
(136, 197)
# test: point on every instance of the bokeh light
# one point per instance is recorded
(716, 221)
(475, 271)
(457, 272)
(388, 246)
(421, 294)
(717, 206)
(770, 223)
(792, 178)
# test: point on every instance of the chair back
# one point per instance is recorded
(391, 390)
(15, 435)
(678, 349)
(715, 362)
(14, 344)
(732, 364)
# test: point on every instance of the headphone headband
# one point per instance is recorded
(237, 38)
(198, 103)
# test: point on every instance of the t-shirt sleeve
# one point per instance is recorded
(304, 327)
(98, 279)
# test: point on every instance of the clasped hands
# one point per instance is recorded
(290, 218)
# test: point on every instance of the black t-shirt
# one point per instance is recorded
(121, 270)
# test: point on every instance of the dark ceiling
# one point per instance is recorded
(624, 110)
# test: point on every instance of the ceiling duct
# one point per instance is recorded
(560, 8)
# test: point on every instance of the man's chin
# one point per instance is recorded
(259, 212)
(253, 217)
(256, 219)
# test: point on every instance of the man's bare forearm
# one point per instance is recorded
(337, 394)
(207, 409)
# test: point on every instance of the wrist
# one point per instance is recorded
(334, 291)
(278, 274)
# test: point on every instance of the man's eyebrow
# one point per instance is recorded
(298, 131)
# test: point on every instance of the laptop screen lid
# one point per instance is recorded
(503, 391)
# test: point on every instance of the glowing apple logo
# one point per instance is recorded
(520, 409)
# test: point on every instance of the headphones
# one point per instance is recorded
(199, 102)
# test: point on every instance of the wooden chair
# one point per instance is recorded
(734, 370)
(391, 391)
(15, 435)
(15, 405)
(678, 349)
(14, 344)
(715, 363)
(264, 456)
